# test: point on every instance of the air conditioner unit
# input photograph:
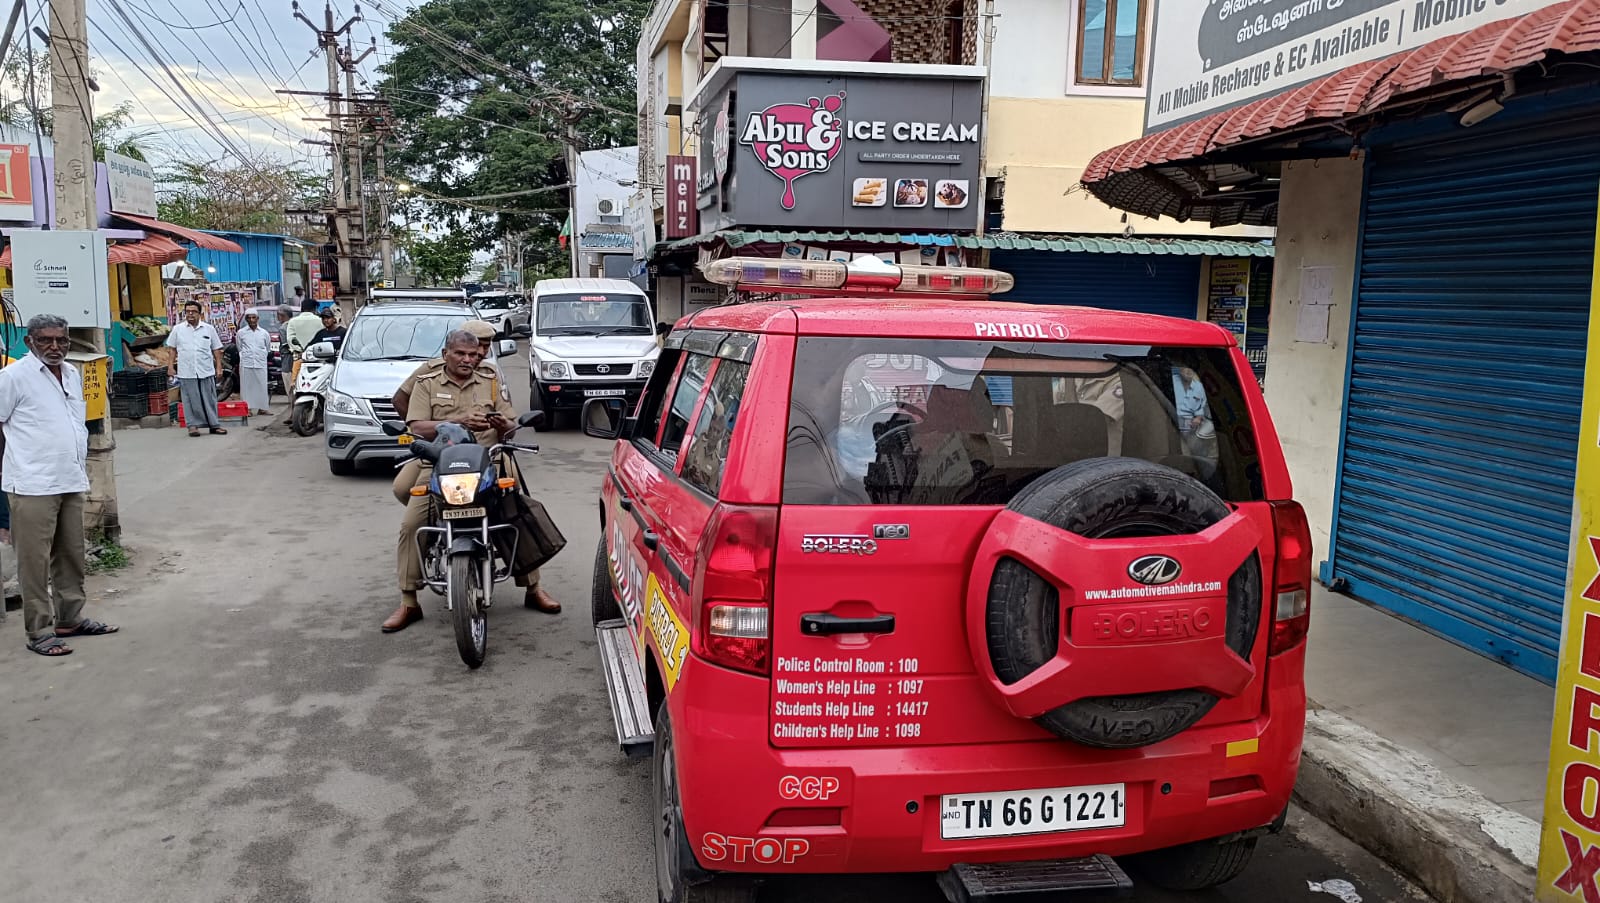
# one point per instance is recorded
(608, 207)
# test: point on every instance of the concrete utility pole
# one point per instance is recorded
(354, 124)
(339, 211)
(386, 234)
(72, 116)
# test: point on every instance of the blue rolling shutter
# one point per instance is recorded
(1152, 284)
(1466, 378)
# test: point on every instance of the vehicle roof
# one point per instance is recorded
(586, 285)
(891, 316)
(403, 306)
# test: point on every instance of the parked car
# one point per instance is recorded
(592, 338)
(508, 311)
(916, 581)
(385, 343)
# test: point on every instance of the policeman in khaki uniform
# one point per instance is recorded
(458, 393)
(407, 477)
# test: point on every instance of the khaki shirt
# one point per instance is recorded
(486, 369)
(435, 395)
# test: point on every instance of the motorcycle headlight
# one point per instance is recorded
(647, 368)
(553, 369)
(340, 403)
(458, 488)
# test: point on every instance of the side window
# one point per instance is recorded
(708, 447)
(656, 393)
(683, 399)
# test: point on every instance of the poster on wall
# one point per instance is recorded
(1228, 295)
(223, 305)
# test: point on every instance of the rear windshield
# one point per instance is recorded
(594, 313)
(919, 422)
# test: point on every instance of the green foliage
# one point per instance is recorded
(494, 118)
(443, 260)
(235, 196)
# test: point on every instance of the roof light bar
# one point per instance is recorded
(866, 274)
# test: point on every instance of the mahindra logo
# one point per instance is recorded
(603, 369)
(1155, 570)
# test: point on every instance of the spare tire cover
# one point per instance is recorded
(1110, 498)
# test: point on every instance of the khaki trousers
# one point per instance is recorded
(48, 533)
(408, 561)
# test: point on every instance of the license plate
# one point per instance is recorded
(604, 393)
(1012, 813)
(461, 513)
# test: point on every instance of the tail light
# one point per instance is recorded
(1291, 579)
(733, 588)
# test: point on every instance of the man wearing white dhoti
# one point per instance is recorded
(253, 343)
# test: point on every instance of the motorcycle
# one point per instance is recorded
(305, 415)
(460, 555)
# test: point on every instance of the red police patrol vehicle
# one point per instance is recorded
(899, 578)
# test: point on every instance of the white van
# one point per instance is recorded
(592, 338)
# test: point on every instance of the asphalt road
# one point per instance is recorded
(251, 737)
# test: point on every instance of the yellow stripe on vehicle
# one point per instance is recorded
(1244, 747)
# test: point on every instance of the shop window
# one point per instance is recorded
(1111, 42)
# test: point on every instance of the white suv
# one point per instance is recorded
(592, 338)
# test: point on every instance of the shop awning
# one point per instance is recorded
(1207, 169)
(146, 252)
(735, 239)
(193, 236)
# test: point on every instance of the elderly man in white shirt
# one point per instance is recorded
(196, 364)
(254, 344)
(44, 472)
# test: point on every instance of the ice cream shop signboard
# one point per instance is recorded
(890, 147)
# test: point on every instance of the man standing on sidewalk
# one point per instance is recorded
(196, 364)
(44, 471)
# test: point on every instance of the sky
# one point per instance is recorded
(231, 56)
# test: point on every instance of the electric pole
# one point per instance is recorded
(72, 115)
(386, 238)
(354, 124)
(339, 211)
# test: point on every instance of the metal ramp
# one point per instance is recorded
(630, 704)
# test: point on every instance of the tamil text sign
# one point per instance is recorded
(1212, 55)
(133, 185)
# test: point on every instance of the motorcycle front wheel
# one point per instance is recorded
(467, 611)
(303, 420)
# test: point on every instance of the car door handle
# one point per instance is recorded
(651, 540)
(818, 624)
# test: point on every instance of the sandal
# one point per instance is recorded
(50, 646)
(87, 627)
(194, 434)
(218, 431)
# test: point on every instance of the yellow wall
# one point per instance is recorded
(114, 290)
(1043, 146)
(144, 287)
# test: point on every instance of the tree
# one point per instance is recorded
(25, 104)
(443, 260)
(484, 92)
(242, 197)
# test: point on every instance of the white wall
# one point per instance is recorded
(1318, 224)
(600, 174)
(1033, 40)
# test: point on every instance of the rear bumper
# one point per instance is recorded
(883, 815)
(569, 395)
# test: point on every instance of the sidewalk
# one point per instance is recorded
(1424, 752)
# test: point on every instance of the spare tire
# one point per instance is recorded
(1110, 498)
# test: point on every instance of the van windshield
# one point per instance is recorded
(918, 422)
(596, 313)
(398, 337)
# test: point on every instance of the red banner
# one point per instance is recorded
(682, 216)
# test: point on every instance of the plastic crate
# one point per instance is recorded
(158, 402)
(130, 382)
(130, 407)
(226, 410)
(156, 381)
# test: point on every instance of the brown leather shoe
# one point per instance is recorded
(402, 618)
(539, 600)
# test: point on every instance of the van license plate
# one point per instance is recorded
(1016, 812)
(460, 513)
(604, 393)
